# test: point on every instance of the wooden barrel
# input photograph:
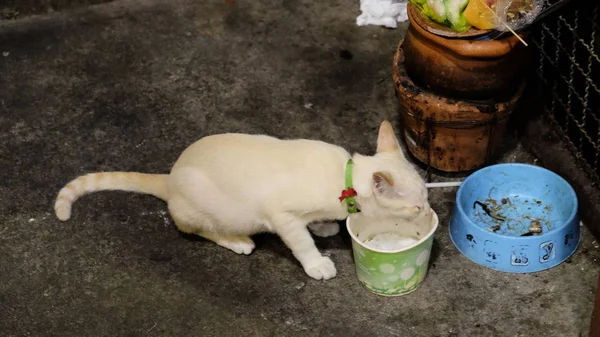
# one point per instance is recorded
(448, 134)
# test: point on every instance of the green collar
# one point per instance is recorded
(349, 193)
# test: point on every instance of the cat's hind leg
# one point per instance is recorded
(236, 243)
(204, 226)
(239, 244)
(324, 229)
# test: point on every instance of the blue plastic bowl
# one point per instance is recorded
(497, 205)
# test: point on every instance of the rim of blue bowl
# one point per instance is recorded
(528, 166)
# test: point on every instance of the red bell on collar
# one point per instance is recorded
(347, 193)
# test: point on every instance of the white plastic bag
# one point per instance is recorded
(517, 14)
(382, 13)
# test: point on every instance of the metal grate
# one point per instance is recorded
(569, 73)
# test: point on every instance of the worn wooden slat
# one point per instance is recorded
(595, 327)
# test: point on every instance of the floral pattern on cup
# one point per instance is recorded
(392, 274)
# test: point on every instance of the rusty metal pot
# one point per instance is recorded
(462, 68)
(448, 134)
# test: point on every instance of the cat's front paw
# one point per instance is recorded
(321, 269)
(324, 229)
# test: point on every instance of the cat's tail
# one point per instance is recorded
(154, 184)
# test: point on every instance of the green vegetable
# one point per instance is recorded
(424, 5)
(455, 8)
(446, 12)
(438, 10)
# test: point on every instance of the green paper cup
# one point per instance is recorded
(391, 272)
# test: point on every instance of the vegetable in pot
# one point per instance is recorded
(438, 9)
(479, 15)
(455, 9)
(446, 12)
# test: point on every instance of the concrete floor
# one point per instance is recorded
(127, 86)
(16, 9)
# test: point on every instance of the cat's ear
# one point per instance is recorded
(387, 141)
(383, 185)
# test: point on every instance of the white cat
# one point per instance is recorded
(227, 187)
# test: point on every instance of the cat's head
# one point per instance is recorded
(387, 183)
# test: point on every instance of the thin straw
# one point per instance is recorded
(446, 184)
(504, 23)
